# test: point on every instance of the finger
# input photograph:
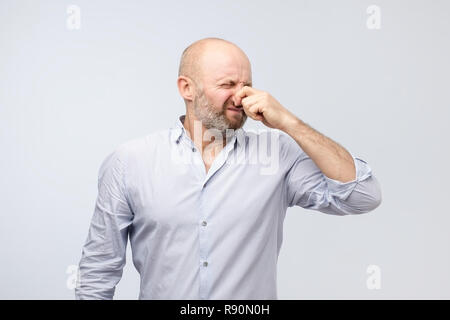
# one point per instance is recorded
(248, 101)
(253, 112)
(245, 92)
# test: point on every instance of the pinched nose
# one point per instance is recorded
(236, 99)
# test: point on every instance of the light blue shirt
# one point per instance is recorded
(198, 235)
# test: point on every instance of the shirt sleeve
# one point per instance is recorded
(104, 252)
(309, 188)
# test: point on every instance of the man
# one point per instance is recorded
(204, 221)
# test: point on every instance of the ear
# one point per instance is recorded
(186, 88)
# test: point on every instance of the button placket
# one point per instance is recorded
(220, 160)
(203, 246)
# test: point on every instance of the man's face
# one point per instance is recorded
(224, 72)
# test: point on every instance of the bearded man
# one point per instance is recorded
(211, 226)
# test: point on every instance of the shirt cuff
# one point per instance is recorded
(342, 190)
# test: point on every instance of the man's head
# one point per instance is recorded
(211, 72)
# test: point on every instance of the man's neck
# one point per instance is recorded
(197, 132)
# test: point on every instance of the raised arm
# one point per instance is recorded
(322, 175)
(308, 187)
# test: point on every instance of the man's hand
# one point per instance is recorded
(260, 105)
(332, 159)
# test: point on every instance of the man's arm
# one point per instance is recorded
(324, 176)
(308, 187)
(332, 159)
(104, 252)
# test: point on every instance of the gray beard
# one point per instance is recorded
(211, 118)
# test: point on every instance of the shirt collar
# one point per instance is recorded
(178, 130)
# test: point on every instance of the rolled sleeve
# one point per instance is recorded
(309, 188)
(104, 252)
(342, 190)
(361, 195)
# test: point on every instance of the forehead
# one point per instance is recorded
(226, 64)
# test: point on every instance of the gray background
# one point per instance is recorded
(69, 97)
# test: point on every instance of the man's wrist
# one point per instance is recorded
(293, 126)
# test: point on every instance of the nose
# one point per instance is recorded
(237, 100)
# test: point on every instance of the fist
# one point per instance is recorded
(261, 106)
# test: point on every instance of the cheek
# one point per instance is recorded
(220, 98)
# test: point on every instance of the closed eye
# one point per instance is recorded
(232, 84)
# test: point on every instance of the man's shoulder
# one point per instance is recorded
(140, 145)
(267, 134)
(274, 141)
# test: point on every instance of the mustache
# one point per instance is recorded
(232, 105)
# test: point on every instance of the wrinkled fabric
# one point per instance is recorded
(206, 235)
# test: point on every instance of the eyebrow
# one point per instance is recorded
(249, 84)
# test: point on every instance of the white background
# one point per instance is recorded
(69, 97)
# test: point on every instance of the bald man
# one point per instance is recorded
(202, 204)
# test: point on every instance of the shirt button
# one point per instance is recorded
(193, 150)
(205, 264)
(204, 223)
